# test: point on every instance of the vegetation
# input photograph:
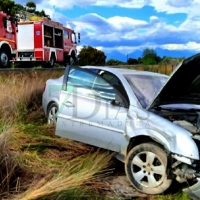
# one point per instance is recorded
(132, 61)
(112, 62)
(10, 7)
(35, 164)
(91, 56)
(30, 6)
(149, 58)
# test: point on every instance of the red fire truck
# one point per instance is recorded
(45, 41)
(8, 29)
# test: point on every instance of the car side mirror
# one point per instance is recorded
(115, 102)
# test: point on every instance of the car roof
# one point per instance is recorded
(124, 71)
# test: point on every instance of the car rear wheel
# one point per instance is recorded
(52, 114)
(145, 168)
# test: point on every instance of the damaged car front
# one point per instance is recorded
(179, 102)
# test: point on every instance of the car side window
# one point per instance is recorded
(80, 82)
(86, 83)
(103, 89)
(116, 83)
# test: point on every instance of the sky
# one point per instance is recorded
(122, 29)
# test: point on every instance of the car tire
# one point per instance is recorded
(145, 168)
(51, 114)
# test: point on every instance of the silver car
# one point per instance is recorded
(151, 121)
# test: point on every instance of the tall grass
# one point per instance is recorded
(21, 93)
(163, 69)
(10, 169)
(76, 173)
(40, 164)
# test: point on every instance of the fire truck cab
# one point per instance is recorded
(46, 41)
(8, 29)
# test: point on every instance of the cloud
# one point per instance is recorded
(63, 4)
(180, 3)
(194, 46)
(127, 35)
(190, 7)
(125, 50)
(125, 3)
(97, 28)
(126, 23)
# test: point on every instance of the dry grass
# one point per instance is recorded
(163, 69)
(21, 93)
(34, 162)
(76, 173)
(10, 169)
(62, 164)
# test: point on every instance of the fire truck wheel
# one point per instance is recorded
(4, 58)
(51, 62)
(71, 60)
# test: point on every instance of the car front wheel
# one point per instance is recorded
(145, 168)
(52, 114)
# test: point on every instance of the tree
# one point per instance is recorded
(16, 8)
(91, 56)
(149, 57)
(114, 62)
(132, 61)
(31, 7)
(6, 6)
(171, 61)
(139, 60)
(9, 7)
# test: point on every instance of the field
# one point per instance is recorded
(35, 164)
(163, 69)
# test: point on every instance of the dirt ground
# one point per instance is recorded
(120, 188)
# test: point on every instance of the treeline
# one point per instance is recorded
(92, 56)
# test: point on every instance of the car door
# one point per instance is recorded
(88, 111)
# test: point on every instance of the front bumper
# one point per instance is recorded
(194, 191)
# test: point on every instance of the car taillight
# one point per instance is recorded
(44, 88)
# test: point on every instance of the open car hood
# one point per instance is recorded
(183, 85)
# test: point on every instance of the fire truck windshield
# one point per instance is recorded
(7, 24)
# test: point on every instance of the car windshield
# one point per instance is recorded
(145, 87)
